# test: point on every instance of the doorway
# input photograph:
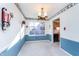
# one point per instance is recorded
(56, 31)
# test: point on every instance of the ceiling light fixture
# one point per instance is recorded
(42, 15)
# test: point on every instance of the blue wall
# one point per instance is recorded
(17, 47)
(70, 46)
(34, 38)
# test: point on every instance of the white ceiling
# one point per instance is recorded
(32, 9)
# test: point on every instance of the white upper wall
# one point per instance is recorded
(70, 20)
(6, 37)
(46, 26)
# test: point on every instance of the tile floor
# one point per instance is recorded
(41, 48)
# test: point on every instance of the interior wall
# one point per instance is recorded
(56, 24)
(28, 28)
(70, 35)
(6, 37)
(70, 21)
(47, 36)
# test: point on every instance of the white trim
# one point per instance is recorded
(65, 51)
(37, 35)
(70, 39)
(18, 37)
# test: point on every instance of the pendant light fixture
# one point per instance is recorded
(42, 15)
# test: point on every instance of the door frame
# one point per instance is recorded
(53, 31)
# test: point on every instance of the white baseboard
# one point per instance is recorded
(65, 51)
